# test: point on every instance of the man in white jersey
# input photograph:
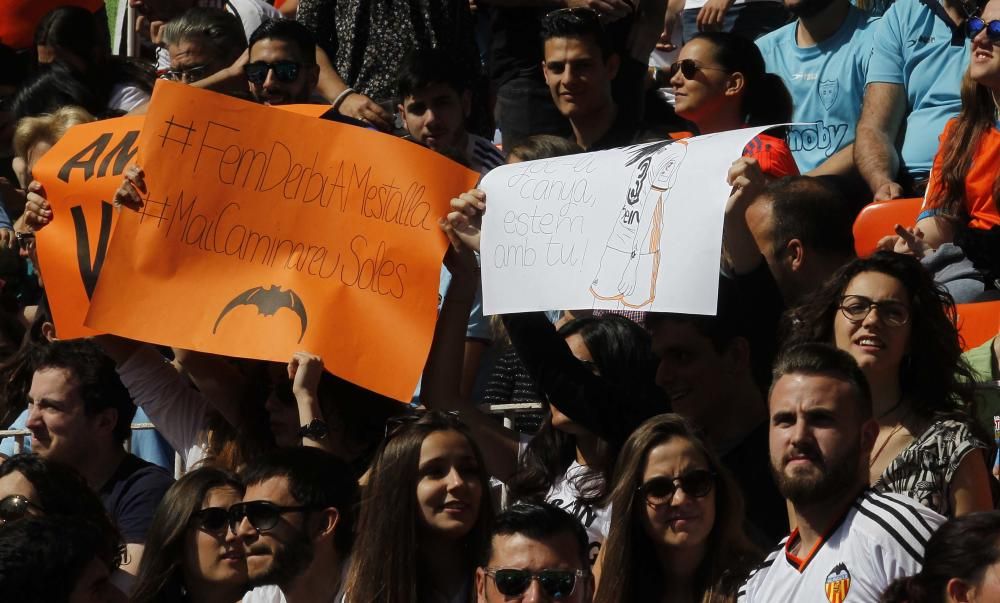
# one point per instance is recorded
(850, 543)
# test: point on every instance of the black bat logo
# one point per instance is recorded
(268, 301)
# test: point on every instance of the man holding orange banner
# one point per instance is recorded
(287, 243)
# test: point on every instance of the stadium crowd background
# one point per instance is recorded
(830, 433)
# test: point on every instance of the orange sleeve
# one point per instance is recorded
(934, 190)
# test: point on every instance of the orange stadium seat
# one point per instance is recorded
(978, 322)
(877, 220)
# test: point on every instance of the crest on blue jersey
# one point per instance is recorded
(828, 92)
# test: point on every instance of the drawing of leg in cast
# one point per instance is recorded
(631, 261)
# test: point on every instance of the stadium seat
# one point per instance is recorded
(978, 322)
(877, 220)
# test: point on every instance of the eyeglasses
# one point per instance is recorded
(976, 25)
(25, 240)
(660, 490)
(211, 519)
(15, 507)
(187, 76)
(557, 584)
(689, 68)
(261, 514)
(856, 308)
(284, 71)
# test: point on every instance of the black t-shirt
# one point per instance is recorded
(132, 494)
(766, 511)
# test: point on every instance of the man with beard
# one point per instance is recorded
(848, 539)
(822, 57)
(296, 524)
(282, 67)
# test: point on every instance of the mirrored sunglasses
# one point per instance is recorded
(557, 584)
(284, 71)
(976, 25)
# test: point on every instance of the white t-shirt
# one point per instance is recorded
(881, 538)
(271, 593)
(173, 406)
(125, 97)
(596, 520)
(565, 495)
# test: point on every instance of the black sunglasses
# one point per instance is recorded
(211, 519)
(689, 68)
(284, 71)
(261, 514)
(976, 25)
(557, 584)
(660, 490)
(15, 507)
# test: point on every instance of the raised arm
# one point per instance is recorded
(441, 385)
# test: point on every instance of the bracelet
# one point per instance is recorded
(340, 98)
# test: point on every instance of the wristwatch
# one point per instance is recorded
(315, 430)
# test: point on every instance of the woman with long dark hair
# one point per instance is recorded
(720, 83)
(962, 202)
(961, 563)
(191, 554)
(425, 515)
(72, 36)
(677, 521)
(886, 311)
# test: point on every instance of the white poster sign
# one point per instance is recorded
(637, 228)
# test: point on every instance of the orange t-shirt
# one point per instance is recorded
(979, 203)
(772, 154)
(19, 18)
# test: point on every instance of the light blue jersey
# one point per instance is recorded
(916, 48)
(826, 81)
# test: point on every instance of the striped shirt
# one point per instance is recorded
(482, 154)
(881, 538)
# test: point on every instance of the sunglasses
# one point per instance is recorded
(15, 507)
(211, 519)
(856, 308)
(557, 584)
(261, 514)
(284, 71)
(976, 25)
(689, 68)
(660, 490)
(576, 13)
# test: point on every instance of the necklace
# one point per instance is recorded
(884, 444)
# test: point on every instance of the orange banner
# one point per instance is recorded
(80, 174)
(266, 232)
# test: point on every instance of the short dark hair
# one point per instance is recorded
(422, 68)
(43, 558)
(577, 23)
(95, 374)
(289, 31)
(315, 479)
(538, 521)
(825, 359)
(813, 211)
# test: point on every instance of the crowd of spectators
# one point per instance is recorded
(828, 432)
